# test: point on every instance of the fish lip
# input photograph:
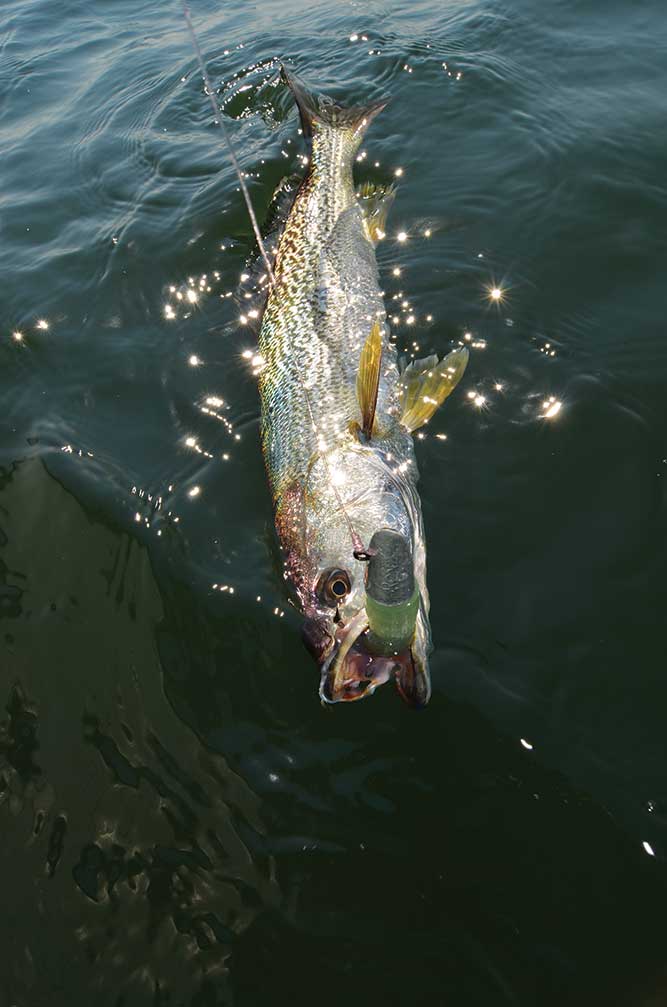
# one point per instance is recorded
(413, 678)
(332, 666)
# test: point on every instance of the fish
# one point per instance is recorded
(338, 414)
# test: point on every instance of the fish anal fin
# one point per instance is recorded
(427, 383)
(375, 202)
(368, 378)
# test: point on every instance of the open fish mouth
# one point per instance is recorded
(353, 671)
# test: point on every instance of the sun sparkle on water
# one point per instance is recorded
(551, 407)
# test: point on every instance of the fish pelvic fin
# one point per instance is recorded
(426, 384)
(375, 202)
(368, 378)
(317, 111)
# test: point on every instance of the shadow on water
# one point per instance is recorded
(169, 804)
(467, 876)
(130, 830)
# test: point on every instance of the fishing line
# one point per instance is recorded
(358, 550)
(220, 122)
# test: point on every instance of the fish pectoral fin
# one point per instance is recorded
(368, 378)
(427, 383)
(375, 202)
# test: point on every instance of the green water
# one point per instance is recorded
(181, 823)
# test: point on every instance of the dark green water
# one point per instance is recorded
(180, 822)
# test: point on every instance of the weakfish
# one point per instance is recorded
(338, 416)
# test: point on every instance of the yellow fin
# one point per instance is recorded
(375, 201)
(426, 385)
(368, 378)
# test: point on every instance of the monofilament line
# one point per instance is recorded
(357, 544)
(220, 122)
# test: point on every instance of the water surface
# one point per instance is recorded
(180, 821)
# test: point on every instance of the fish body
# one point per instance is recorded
(335, 482)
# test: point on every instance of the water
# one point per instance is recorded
(180, 821)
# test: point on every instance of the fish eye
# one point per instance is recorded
(333, 586)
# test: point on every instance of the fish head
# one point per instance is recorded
(366, 610)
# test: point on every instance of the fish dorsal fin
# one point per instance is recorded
(281, 205)
(368, 378)
(375, 202)
(427, 383)
(254, 286)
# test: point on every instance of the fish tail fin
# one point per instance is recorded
(318, 110)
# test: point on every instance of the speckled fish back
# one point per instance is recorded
(318, 316)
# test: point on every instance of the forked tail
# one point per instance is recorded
(318, 111)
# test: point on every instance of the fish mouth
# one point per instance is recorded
(352, 671)
(388, 637)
